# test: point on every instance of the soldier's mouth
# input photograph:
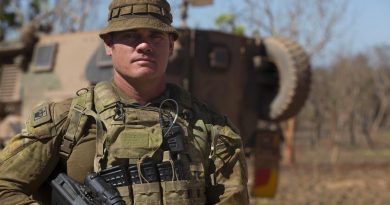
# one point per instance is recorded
(150, 60)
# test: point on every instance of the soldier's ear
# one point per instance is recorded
(171, 44)
(108, 44)
(108, 49)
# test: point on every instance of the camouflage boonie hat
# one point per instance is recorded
(133, 14)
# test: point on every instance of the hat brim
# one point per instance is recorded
(137, 22)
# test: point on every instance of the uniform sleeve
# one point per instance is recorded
(30, 157)
(24, 165)
(229, 181)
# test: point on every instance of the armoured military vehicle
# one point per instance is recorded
(255, 82)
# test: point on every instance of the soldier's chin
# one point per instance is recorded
(146, 73)
(147, 66)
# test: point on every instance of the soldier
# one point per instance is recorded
(137, 120)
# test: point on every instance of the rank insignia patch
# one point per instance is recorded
(40, 115)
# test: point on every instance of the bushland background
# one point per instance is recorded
(342, 139)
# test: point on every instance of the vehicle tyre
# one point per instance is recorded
(293, 70)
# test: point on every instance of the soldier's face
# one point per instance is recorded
(141, 54)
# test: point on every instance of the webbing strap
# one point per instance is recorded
(135, 9)
(77, 122)
(212, 141)
(105, 98)
(69, 139)
(69, 142)
(100, 151)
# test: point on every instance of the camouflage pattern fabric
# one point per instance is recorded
(132, 14)
(213, 149)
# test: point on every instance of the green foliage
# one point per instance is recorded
(225, 19)
(12, 17)
(227, 23)
(35, 8)
(239, 30)
(8, 17)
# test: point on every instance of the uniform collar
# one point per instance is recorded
(171, 91)
(129, 100)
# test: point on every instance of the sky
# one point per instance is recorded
(372, 23)
(367, 23)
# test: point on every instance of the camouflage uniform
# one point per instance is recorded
(86, 134)
(32, 155)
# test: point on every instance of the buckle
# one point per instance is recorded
(66, 146)
(79, 108)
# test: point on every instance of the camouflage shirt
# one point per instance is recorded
(35, 155)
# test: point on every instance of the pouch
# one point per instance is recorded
(197, 193)
(125, 192)
(147, 194)
(176, 192)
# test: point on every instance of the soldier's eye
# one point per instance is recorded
(128, 37)
(157, 37)
(131, 36)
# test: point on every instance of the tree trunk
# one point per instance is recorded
(352, 137)
(289, 138)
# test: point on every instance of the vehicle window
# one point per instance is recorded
(44, 56)
(219, 58)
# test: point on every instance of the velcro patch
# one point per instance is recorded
(40, 115)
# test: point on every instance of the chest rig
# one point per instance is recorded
(151, 146)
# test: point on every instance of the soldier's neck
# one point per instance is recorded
(142, 92)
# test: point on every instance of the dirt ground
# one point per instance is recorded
(335, 175)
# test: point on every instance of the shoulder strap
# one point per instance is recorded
(77, 119)
(105, 96)
(184, 98)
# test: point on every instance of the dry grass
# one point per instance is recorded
(328, 175)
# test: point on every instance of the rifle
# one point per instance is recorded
(96, 191)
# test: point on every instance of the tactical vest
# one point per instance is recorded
(131, 135)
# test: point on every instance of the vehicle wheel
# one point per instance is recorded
(292, 67)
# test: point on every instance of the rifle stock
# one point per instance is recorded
(66, 191)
